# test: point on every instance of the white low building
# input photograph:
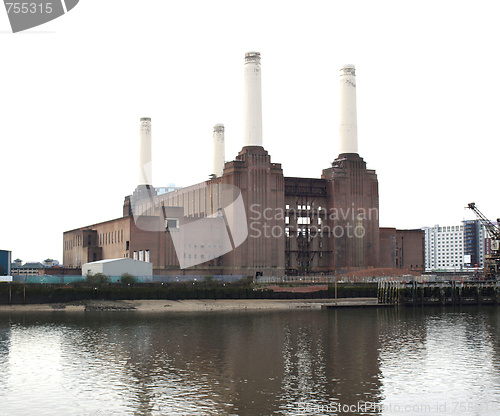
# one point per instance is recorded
(114, 268)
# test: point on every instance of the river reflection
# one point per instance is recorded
(371, 361)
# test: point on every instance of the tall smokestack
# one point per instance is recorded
(145, 160)
(219, 150)
(252, 124)
(348, 117)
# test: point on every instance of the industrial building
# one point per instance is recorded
(249, 219)
(402, 249)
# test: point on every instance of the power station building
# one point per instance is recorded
(248, 219)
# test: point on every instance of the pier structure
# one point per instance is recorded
(450, 292)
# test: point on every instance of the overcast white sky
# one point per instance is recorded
(73, 91)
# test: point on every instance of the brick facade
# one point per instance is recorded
(294, 225)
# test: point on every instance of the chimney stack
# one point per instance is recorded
(219, 150)
(252, 123)
(145, 160)
(348, 117)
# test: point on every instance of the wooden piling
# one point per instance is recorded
(451, 292)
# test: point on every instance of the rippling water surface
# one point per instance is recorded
(298, 362)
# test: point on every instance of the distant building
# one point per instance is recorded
(5, 266)
(475, 243)
(444, 247)
(50, 263)
(28, 269)
(402, 249)
(455, 247)
(410, 247)
(387, 247)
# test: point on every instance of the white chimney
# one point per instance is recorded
(219, 150)
(145, 160)
(348, 117)
(252, 121)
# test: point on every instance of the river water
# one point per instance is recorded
(299, 362)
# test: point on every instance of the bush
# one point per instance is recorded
(97, 279)
(128, 279)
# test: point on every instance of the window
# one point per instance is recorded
(135, 255)
(147, 256)
(172, 223)
(141, 255)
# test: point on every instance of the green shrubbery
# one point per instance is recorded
(98, 287)
(97, 279)
(127, 279)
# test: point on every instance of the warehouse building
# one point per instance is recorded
(116, 268)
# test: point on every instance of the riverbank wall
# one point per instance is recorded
(18, 293)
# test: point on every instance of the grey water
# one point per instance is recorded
(297, 362)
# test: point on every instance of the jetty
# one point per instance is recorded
(449, 292)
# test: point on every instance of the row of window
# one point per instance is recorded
(202, 246)
(301, 207)
(76, 241)
(142, 255)
(451, 228)
(111, 237)
(202, 256)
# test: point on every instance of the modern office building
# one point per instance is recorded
(5, 262)
(475, 243)
(444, 247)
